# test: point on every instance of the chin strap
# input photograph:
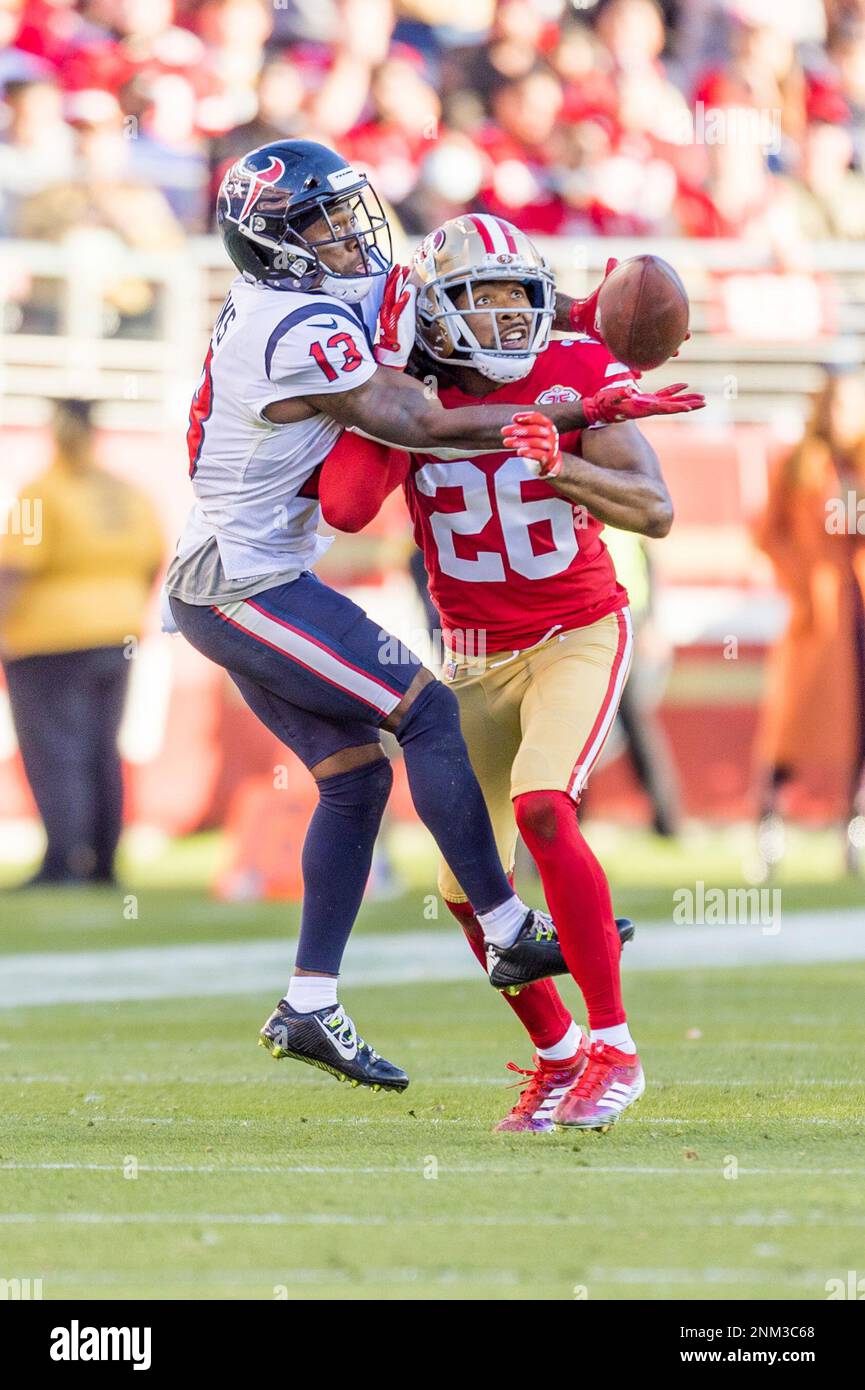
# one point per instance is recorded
(503, 369)
(350, 289)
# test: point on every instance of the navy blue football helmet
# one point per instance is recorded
(272, 196)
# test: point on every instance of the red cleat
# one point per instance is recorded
(609, 1083)
(548, 1083)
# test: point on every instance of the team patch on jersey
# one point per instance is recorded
(555, 394)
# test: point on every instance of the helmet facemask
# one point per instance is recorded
(370, 232)
(447, 337)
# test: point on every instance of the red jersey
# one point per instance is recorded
(507, 555)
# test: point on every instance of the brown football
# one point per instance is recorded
(643, 312)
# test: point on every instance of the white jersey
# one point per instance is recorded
(248, 475)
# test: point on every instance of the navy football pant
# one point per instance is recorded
(323, 677)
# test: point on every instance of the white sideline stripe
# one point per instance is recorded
(276, 1218)
(301, 648)
(260, 967)
(417, 1169)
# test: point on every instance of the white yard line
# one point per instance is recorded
(311, 1081)
(253, 967)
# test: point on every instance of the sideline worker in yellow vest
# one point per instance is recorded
(78, 556)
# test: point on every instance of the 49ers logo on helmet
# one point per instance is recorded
(432, 242)
(259, 181)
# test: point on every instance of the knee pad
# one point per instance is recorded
(363, 791)
(434, 713)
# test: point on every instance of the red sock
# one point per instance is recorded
(539, 1007)
(578, 897)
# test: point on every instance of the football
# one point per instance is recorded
(643, 312)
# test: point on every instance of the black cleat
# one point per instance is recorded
(328, 1039)
(626, 929)
(536, 953)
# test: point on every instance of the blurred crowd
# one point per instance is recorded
(705, 118)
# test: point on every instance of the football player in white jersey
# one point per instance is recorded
(289, 363)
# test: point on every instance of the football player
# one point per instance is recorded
(537, 624)
(290, 362)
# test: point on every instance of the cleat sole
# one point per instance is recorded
(596, 1128)
(278, 1052)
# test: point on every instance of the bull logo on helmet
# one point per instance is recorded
(260, 180)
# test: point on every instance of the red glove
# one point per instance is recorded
(618, 403)
(396, 319)
(583, 312)
(533, 437)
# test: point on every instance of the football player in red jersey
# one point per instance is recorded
(536, 624)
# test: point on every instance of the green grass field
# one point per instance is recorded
(150, 1150)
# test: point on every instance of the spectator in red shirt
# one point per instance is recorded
(125, 38)
(406, 111)
(449, 181)
(606, 190)
(633, 32)
(525, 111)
(585, 68)
(45, 28)
(763, 72)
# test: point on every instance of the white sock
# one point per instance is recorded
(568, 1046)
(502, 925)
(619, 1037)
(306, 993)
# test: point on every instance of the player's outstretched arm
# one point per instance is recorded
(394, 407)
(356, 477)
(617, 478)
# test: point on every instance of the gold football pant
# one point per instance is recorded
(536, 720)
